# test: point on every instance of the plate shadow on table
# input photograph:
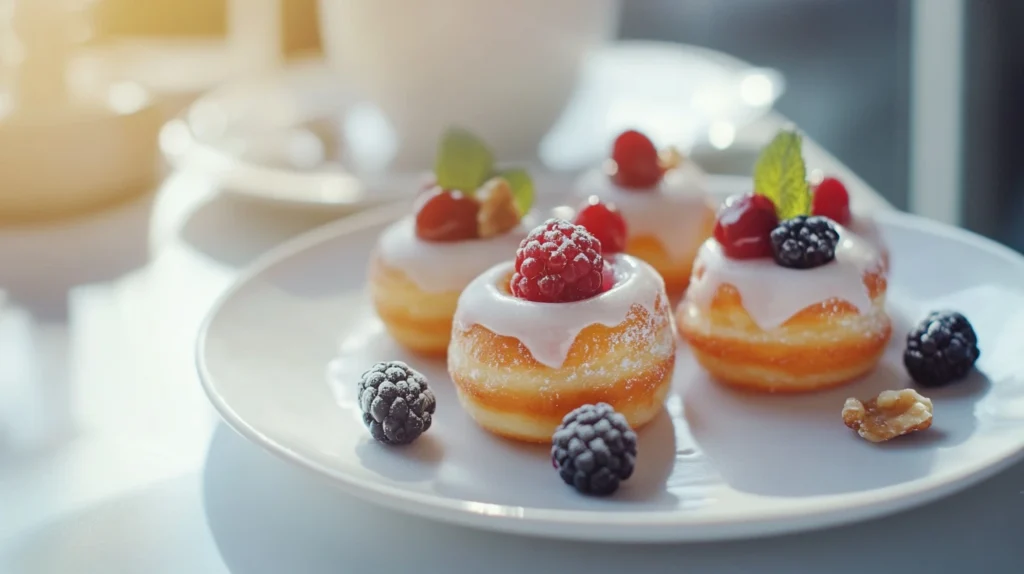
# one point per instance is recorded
(266, 516)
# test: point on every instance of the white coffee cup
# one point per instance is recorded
(502, 68)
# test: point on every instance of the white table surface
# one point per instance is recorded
(107, 462)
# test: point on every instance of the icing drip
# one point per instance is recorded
(548, 330)
(771, 294)
(448, 266)
(867, 229)
(672, 212)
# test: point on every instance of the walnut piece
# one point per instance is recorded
(670, 158)
(498, 212)
(889, 415)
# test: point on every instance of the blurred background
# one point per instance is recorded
(854, 80)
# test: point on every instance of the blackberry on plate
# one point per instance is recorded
(594, 449)
(396, 402)
(941, 349)
(804, 242)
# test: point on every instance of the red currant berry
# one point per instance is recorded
(744, 226)
(604, 222)
(636, 161)
(831, 200)
(443, 215)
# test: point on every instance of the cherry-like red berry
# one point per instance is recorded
(831, 200)
(636, 161)
(443, 215)
(604, 222)
(744, 226)
(558, 262)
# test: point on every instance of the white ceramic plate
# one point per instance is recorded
(716, 464)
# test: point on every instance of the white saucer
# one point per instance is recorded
(715, 465)
(281, 138)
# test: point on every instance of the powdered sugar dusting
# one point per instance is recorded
(772, 294)
(444, 266)
(673, 212)
(548, 330)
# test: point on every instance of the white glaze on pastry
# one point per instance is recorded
(672, 212)
(772, 294)
(444, 266)
(548, 330)
(867, 229)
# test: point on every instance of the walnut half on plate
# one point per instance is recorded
(889, 415)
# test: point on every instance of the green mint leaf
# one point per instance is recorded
(463, 161)
(781, 176)
(522, 188)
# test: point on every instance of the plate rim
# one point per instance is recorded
(623, 526)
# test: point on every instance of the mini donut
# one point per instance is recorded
(520, 366)
(760, 326)
(415, 284)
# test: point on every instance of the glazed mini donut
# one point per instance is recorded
(754, 324)
(674, 261)
(666, 223)
(415, 284)
(520, 366)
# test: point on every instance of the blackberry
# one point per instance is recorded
(804, 242)
(594, 449)
(941, 349)
(396, 403)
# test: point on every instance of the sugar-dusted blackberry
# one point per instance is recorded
(396, 402)
(594, 449)
(804, 242)
(941, 349)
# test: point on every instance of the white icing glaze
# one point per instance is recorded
(867, 229)
(672, 212)
(548, 330)
(444, 266)
(772, 294)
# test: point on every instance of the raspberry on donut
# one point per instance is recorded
(558, 262)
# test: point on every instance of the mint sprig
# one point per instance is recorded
(521, 184)
(463, 161)
(781, 175)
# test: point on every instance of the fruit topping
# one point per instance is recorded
(607, 277)
(558, 262)
(744, 225)
(480, 202)
(594, 449)
(804, 242)
(941, 349)
(604, 222)
(463, 161)
(443, 215)
(396, 403)
(498, 212)
(781, 176)
(637, 165)
(831, 200)
(889, 415)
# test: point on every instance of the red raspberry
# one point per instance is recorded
(831, 200)
(744, 226)
(604, 222)
(558, 262)
(636, 161)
